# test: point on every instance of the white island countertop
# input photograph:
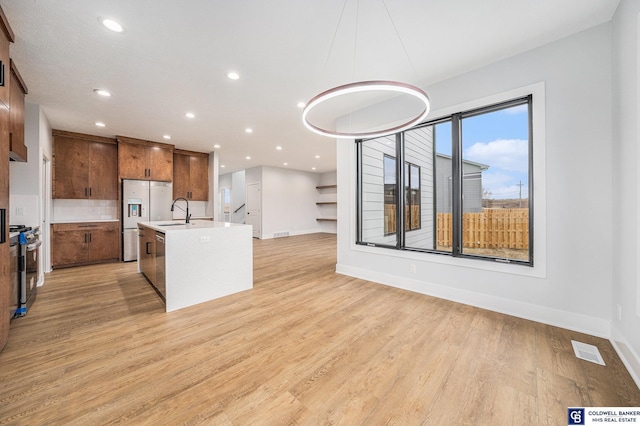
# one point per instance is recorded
(204, 260)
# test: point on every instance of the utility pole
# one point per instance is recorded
(520, 199)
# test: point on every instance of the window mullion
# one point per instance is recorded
(400, 196)
(456, 154)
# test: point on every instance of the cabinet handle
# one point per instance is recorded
(89, 237)
(3, 225)
(147, 247)
(89, 191)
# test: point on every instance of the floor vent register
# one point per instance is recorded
(587, 352)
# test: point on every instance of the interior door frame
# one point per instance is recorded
(257, 230)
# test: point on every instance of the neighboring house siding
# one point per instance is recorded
(471, 186)
(444, 184)
(373, 153)
(419, 151)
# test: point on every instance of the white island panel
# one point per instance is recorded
(205, 260)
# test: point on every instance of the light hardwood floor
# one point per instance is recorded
(305, 346)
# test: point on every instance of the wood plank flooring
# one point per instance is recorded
(305, 346)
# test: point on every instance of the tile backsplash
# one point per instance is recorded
(196, 209)
(83, 210)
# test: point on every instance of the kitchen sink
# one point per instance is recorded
(172, 224)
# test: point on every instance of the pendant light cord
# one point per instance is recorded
(404, 48)
(333, 40)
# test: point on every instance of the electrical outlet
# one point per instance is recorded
(619, 312)
(205, 239)
(19, 211)
(412, 268)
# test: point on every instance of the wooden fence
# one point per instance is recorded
(492, 228)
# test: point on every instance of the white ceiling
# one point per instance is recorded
(174, 56)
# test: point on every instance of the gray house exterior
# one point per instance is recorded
(471, 185)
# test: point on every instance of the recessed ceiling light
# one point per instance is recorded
(301, 105)
(100, 124)
(102, 92)
(216, 146)
(223, 166)
(190, 115)
(279, 148)
(114, 26)
(167, 137)
(248, 130)
(285, 164)
(313, 168)
(233, 75)
(317, 156)
(247, 157)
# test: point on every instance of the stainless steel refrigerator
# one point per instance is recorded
(142, 201)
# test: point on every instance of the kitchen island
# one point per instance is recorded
(195, 262)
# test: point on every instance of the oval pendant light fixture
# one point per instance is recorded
(371, 86)
(366, 86)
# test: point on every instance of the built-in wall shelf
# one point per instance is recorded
(327, 202)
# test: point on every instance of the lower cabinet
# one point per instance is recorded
(85, 243)
(147, 253)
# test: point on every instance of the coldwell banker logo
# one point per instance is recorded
(576, 416)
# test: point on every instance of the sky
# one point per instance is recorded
(500, 140)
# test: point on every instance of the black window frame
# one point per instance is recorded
(408, 198)
(457, 162)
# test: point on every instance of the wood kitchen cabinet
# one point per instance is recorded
(147, 253)
(74, 244)
(191, 175)
(17, 91)
(6, 37)
(144, 160)
(84, 166)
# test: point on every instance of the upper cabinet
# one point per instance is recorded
(17, 92)
(191, 175)
(144, 160)
(6, 37)
(84, 166)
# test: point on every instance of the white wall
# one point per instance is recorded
(213, 205)
(238, 196)
(28, 193)
(571, 283)
(289, 201)
(25, 178)
(626, 184)
(288, 198)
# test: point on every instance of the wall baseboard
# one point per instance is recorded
(291, 233)
(629, 357)
(542, 314)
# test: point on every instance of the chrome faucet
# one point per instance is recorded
(187, 215)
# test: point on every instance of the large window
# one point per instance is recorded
(466, 191)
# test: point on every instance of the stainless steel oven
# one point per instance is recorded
(14, 301)
(28, 269)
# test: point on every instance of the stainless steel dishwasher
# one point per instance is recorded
(160, 266)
